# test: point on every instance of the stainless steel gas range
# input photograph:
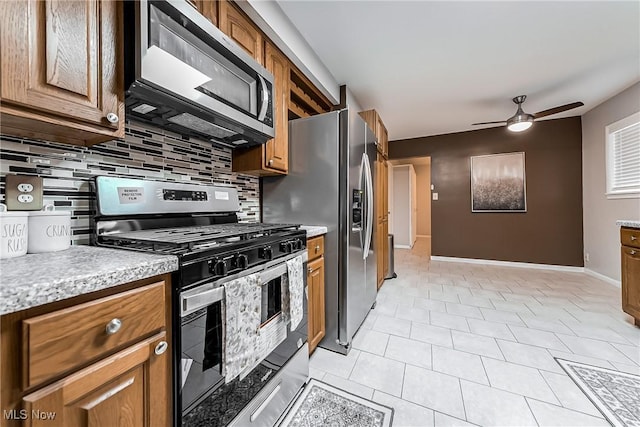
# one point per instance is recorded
(238, 300)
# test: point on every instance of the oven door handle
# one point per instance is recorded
(202, 299)
(194, 300)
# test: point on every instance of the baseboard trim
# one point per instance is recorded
(402, 246)
(604, 278)
(423, 235)
(510, 264)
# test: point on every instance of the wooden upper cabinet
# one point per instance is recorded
(62, 70)
(126, 389)
(304, 98)
(208, 9)
(277, 149)
(240, 29)
(379, 129)
(272, 158)
(383, 137)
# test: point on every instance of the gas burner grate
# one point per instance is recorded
(180, 239)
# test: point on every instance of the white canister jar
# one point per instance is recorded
(13, 232)
(49, 230)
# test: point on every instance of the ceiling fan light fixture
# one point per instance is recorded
(520, 122)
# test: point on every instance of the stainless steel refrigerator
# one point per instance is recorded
(330, 183)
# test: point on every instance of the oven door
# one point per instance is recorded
(204, 397)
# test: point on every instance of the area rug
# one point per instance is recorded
(323, 405)
(615, 394)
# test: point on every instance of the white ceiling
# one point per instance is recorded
(436, 67)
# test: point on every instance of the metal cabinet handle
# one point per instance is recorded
(161, 348)
(310, 270)
(633, 238)
(113, 326)
(113, 118)
(632, 252)
(317, 248)
(270, 162)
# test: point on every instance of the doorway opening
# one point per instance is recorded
(410, 198)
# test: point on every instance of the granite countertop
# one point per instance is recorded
(628, 223)
(314, 230)
(37, 279)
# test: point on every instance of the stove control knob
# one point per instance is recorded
(266, 253)
(219, 267)
(242, 262)
(286, 247)
(299, 245)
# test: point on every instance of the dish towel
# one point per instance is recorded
(295, 281)
(242, 324)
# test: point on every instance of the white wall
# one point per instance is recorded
(601, 235)
(423, 196)
(404, 205)
(401, 205)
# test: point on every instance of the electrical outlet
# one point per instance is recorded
(23, 193)
(586, 257)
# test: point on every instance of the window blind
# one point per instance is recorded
(625, 149)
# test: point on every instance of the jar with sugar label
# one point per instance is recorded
(13, 232)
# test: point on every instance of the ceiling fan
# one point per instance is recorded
(522, 121)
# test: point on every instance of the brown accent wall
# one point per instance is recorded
(550, 232)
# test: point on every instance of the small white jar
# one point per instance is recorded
(49, 230)
(13, 232)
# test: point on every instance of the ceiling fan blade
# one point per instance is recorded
(556, 110)
(488, 123)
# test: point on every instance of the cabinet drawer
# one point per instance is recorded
(57, 342)
(630, 237)
(315, 247)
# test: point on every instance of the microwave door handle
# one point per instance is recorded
(265, 98)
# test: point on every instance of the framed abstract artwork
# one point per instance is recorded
(498, 183)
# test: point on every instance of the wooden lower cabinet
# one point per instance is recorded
(630, 257)
(315, 292)
(128, 389)
(117, 374)
(382, 218)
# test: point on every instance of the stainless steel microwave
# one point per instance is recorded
(183, 74)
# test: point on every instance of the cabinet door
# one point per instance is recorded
(129, 388)
(380, 253)
(241, 30)
(383, 139)
(315, 285)
(631, 282)
(64, 58)
(208, 9)
(277, 149)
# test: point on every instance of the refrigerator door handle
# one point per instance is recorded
(359, 200)
(369, 207)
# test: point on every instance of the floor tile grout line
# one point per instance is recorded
(531, 410)
(560, 401)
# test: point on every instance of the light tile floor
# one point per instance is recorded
(453, 344)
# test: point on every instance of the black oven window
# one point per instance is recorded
(213, 337)
(271, 300)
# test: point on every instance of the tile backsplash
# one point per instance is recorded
(145, 152)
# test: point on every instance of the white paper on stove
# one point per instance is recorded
(271, 335)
